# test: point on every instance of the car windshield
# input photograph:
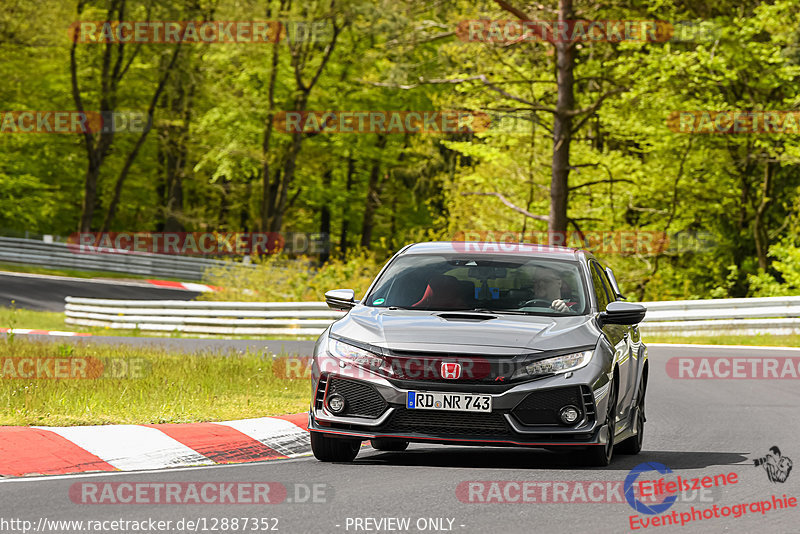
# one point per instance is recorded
(481, 282)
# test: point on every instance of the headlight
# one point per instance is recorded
(354, 355)
(559, 364)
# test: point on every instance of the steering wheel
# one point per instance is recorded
(536, 303)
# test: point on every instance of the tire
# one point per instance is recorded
(633, 445)
(601, 455)
(327, 449)
(389, 445)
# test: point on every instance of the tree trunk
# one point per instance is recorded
(351, 167)
(325, 216)
(179, 97)
(174, 202)
(759, 230)
(373, 197)
(281, 195)
(223, 204)
(129, 160)
(267, 192)
(562, 132)
(89, 194)
(279, 191)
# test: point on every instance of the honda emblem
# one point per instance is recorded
(451, 370)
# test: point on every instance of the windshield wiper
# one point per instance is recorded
(501, 310)
(463, 310)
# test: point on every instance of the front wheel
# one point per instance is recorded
(327, 449)
(633, 444)
(600, 455)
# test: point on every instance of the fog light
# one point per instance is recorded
(336, 403)
(569, 414)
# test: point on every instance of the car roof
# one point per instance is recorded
(496, 247)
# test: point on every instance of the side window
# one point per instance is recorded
(600, 290)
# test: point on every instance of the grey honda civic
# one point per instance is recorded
(481, 343)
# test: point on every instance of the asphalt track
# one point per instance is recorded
(695, 427)
(47, 293)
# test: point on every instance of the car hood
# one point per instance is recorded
(437, 331)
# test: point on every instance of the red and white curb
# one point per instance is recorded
(189, 286)
(76, 449)
(167, 284)
(40, 332)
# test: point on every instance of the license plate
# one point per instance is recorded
(455, 402)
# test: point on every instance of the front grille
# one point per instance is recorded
(361, 399)
(450, 385)
(448, 423)
(542, 407)
(476, 369)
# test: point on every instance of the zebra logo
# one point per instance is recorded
(777, 467)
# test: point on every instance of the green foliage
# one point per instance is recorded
(787, 267)
(201, 168)
(276, 280)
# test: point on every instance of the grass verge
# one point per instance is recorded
(37, 320)
(44, 320)
(761, 340)
(140, 385)
(33, 269)
(41, 320)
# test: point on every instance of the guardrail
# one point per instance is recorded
(774, 315)
(222, 318)
(741, 317)
(58, 255)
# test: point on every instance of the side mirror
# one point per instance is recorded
(622, 313)
(614, 284)
(340, 299)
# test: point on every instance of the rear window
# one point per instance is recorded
(480, 281)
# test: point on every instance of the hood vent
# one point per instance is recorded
(470, 317)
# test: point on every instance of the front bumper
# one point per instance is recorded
(522, 414)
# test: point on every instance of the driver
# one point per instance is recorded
(547, 286)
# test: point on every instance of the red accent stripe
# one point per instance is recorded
(220, 444)
(454, 440)
(39, 332)
(300, 419)
(25, 451)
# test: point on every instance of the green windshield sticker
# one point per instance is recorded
(378, 302)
